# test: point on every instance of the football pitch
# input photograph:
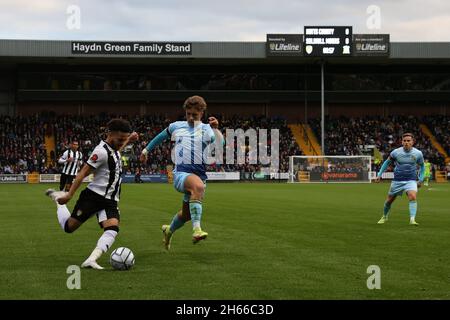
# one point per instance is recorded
(266, 241)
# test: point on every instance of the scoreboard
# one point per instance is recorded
(328, 41)
(331, 41)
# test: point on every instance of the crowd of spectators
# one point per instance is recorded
(23, 149)
(90, 130)
(440, 127)
(23, 142)
(287, 144)
(350, 136)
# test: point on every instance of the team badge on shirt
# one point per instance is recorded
(94, 158)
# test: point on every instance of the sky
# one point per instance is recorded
(229, 20)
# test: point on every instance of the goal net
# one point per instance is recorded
(324, 169)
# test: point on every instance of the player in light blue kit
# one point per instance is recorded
(405, 159)
(191, 137)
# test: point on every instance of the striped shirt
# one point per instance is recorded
(107, 164)
(71, 168)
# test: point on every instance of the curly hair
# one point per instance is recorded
(195, 102)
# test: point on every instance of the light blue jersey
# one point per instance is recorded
(405, 178)
(406, 163)
(190, 143)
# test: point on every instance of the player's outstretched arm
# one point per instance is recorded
(214, 123)
(160, 138)
(383, 168)
(133, 137)
(84, 172)
(219, 136)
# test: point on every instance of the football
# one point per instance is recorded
(122, 259)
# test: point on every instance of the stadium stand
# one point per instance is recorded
(24, 149)
(347, 136)
(22, 144)
(440, 127)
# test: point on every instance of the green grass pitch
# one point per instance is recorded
(266, 241)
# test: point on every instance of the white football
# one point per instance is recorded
(122, 259)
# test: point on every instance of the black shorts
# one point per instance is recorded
(90, 203)
(65, 179)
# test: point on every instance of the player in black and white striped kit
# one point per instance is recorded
(102, 195)
(72, 159)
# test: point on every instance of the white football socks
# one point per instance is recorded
(63, 215)
(103, 244)
(106, 240)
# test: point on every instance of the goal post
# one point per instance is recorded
(330, 169)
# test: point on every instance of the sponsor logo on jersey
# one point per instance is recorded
(94, 158)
